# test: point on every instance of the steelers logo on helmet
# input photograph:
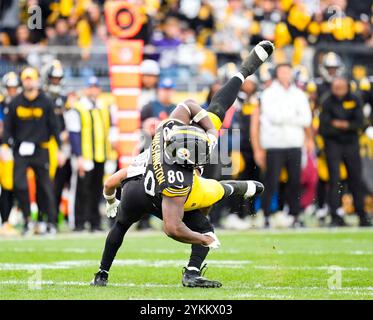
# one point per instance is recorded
(183, 153)
(187, 146)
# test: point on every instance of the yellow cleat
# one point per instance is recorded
(8, 230)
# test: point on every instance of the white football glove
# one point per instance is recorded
(216, 243)
(213, 142)
(369, 132)
(111, 209)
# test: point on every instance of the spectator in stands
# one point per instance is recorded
(343, 28)
(9, 19)
(166, 43)
(285, 113)
(150, 72)
(87, 26)
(23, 43)
(232, 28)
(341, 121)
(62, 38)
(163, 105)
(265, 19)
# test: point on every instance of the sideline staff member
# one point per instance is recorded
(29, 123)
(341, 120)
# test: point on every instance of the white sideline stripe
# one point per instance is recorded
(130, 262)
(170, 251)
(81, 283)
(231, 264)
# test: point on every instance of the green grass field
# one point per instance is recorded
(251, 265)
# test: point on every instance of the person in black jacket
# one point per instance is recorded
(341, 121)
(29, 123)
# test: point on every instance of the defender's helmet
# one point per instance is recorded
(187, 146)
(331, 66)
(55, 69)
(53, 75)
(301, 76)
(11, 80)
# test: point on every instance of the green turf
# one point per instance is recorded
(251, 265)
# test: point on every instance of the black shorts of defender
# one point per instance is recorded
(135, 203)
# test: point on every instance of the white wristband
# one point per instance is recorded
(109, 197)
(200, 115)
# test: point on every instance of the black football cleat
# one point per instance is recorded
(364, 221)
(194, 279)
(100, 279)
(257, 56)
(338, 221)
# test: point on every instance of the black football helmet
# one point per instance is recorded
(187, 146)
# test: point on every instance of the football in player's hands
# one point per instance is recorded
(112, 208)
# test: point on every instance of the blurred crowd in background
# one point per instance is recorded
(305, 119)
(189, 38)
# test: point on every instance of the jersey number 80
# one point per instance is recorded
(172, 177)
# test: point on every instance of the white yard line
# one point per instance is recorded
(229, 264)
(136, 234)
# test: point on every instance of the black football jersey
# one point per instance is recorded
(161, 176)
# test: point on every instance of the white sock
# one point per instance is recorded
(193, 269)
(251, 189)
(240, 76)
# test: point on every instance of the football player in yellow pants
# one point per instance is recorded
(164, 179)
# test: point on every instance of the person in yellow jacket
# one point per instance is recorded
(89, 127)
(11, 84)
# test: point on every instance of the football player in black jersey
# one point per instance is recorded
(165, 181)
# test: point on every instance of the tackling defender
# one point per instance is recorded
(165, 181)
